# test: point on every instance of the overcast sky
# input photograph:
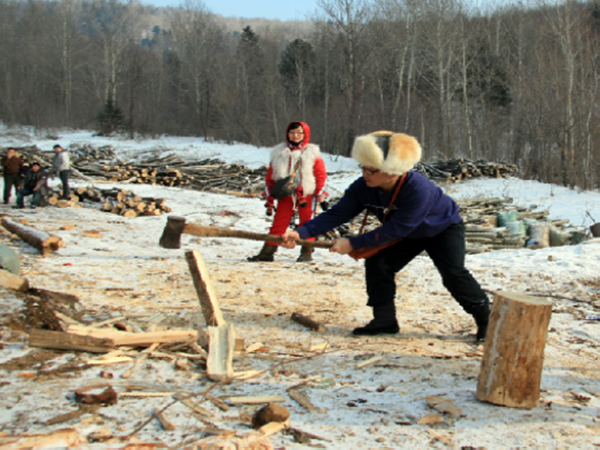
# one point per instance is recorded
(269, 9)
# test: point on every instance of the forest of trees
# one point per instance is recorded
(518, 84)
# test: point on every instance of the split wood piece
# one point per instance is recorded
(273, 427)
(44, 242)
(217, 402)
(9, 280)
(187, 401)
(83, 409)
(257, 400)
(67, 341)
(135, 339)
(308, 322)
(64, 438)
(164, 422)
(368, 362)
(219, 365)
(302, 399)
(513, 355)
(204, 289)
(139, 359)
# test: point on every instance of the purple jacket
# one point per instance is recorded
(421, 210)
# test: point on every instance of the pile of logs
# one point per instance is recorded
(90, 163)
(116, 201)
(482, 231)
(453, 170)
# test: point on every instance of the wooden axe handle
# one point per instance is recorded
(205, 231)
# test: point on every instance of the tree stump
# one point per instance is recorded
(513, 355)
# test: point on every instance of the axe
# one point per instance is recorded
(171, 237)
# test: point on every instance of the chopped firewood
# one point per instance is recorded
(443, 404)
(257, 400)
(302, 399)
(187, 401)
(204, 289)
(11, 281)
(135, 339)
(430, 419)
(113, 360)
(219, 365)
(253, 347)
(308, 322)
(273, 427)
(82, 409)
(139, 359)
(217, 402)
(145, 394)
(65, 438)
(368, 362)
(66, 341)
(164, 422)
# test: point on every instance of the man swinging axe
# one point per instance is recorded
(415, 216)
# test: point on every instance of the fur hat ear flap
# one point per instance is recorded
(392, 153)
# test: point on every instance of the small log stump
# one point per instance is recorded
(513, 355)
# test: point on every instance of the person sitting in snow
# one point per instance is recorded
(296, 151)
(415, 216)
(35, 183)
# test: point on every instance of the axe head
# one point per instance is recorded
(171, 237)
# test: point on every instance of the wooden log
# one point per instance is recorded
(219, 365)
(11, 281)
(511, 367)
(308, 322)
(44, 242)
(204, 289)
(67, 341)
(135, 339)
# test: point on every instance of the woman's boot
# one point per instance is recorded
(266, 254)
(306, 253)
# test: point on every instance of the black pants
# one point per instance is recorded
(64, 178)
(9, 182)
(447, 251)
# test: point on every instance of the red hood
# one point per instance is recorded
(306, 140)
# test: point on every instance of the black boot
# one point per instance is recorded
(482, 319)
(384, 322)
(306, 253)
(266, 254)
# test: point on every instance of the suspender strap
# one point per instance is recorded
(389, 208)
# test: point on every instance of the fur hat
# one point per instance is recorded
(392, 153)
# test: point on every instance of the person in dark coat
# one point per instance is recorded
(418, 217)
(35, 183)
(11, 165)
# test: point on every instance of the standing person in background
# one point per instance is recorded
(415, 215)
(295, 153)
(11, 165)
(61, 166)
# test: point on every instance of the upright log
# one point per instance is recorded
(44, 242)
(513, 355)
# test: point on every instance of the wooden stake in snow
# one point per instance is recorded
(204, 289)
(44, 242)
(219, 365)
(511, 368)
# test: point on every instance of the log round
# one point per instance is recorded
(513, 355)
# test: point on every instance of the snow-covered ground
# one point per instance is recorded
(124, 272)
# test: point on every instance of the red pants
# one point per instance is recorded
(284, 213)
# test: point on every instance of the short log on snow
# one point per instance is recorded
(308, 322)
(513, 356)
(44, 242)
(219, 365)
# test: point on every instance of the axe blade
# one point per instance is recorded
(171, 237)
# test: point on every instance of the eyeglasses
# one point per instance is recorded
(368, 171)
(299, 132)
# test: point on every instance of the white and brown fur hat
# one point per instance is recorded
(392, 153)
